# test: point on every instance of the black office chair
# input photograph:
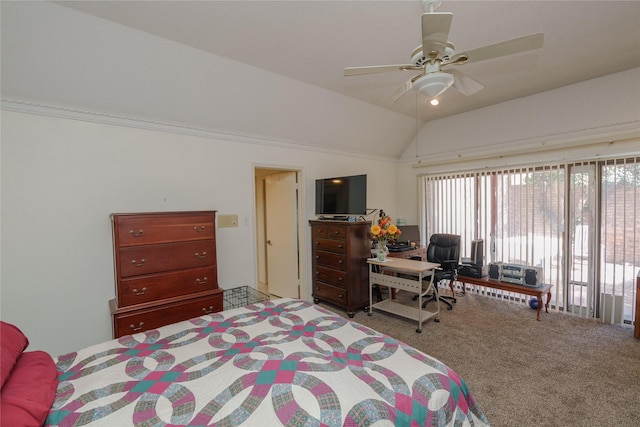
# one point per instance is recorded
(443, 249)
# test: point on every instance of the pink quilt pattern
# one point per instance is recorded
(280, 362)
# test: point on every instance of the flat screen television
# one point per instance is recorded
(345, 195)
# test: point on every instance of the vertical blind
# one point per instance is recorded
(576, 221)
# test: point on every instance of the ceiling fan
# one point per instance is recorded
(437, 53)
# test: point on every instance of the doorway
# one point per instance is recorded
(279, 232)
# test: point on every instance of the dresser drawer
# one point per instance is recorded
(339, 246)
(139, 260)
(152, 318)
(132, 230)
(330, 293)
(331, 232)
(140, 290)
(329, 259)
(330, 276)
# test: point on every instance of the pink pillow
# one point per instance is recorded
(12, 344)
(29, 392)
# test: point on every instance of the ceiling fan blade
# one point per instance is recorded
(435, 33)
(465, 84)
(509, 47)
(401, 90)
(358, 71)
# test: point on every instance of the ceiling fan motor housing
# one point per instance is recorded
(433, 84)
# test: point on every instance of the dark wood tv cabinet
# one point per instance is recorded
(339, 253)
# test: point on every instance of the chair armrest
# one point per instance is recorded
(450, 264)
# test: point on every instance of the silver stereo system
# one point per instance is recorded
(513, 273)
(517, 274)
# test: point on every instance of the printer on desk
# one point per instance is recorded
(399, 247)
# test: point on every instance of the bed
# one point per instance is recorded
(278, 362)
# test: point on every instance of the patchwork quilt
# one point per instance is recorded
(279, 362)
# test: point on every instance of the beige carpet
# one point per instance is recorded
(560, 371)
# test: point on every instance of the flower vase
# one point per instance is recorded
(381, 250)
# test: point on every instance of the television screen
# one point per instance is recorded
(346, 195)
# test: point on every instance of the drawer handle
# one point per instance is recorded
(207, 310)
(201, 282)
(340, 296)
(140, 292)
(317, 256)
(138, 328)
(339, 261)
(340, 246)
(336, 232)
(136, 263)
(136, 233)
(201, 256)
(199, 229)
(340, 279)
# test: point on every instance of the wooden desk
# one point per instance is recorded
(417, 270)
(538, 291)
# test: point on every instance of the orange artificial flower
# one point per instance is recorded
(385, 230)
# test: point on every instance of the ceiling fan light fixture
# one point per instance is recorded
(433, 84)
(434, 102)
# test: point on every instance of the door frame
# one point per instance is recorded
(258, 211)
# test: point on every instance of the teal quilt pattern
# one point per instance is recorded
(280, 362)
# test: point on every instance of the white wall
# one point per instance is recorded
(58, 56)
(61, 178)
(598, 118)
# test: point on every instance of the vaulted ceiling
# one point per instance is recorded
(313, 41)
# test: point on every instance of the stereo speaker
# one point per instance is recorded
(532, 275)
(495, 270)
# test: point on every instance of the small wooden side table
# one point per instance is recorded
(538, 291)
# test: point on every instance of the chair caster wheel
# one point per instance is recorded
(419, 330)
(436, 320)
(369, 313)
(449, 308)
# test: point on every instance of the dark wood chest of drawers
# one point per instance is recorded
(165, 269)
(340, 272)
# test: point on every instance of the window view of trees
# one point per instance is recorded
(577, 221)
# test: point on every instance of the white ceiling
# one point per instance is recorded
(312, 41)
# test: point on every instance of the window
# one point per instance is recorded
(553, 217)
